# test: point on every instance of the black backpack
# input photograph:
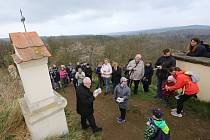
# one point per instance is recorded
(207, 46)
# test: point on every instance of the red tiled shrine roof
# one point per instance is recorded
(28, 46)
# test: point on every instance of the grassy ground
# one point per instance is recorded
(194, 105)
(75, 132)
(12, 125)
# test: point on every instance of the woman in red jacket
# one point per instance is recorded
(188, 87)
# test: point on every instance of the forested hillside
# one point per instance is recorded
(93, 49)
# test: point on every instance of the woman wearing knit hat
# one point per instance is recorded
(121, 94)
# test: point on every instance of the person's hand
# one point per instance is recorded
(187, 51)
(147, 123)
(134, 69)
(167, 88)
(120, 100)
(97, 92)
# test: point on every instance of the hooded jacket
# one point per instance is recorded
(157, 130)
(185, 83)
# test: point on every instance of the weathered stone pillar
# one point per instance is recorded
(42, 107)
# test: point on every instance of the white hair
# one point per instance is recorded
(138, 56)
(86, 80)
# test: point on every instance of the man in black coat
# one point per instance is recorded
(163, 64)
(85, 101)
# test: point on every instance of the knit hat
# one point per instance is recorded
(157, 112)
(123, 79)
(171, 78)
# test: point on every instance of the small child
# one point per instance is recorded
(166, 93)
(156, 127)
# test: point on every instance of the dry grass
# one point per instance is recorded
(10, 113)
(75, 132)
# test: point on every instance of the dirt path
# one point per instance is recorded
(189, 127)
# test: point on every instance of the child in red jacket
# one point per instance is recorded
(167, 94)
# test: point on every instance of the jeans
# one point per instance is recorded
(114, 84)
(159, 93)
(107, 86)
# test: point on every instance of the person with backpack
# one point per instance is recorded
(156, 127)
(136, 72)
(207, 47)
(189, 89)
(163, 64)
(147, 79)
(121, 94)
(197, 49)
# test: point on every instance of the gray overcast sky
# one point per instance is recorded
(70, 17)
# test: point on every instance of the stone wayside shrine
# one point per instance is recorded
(42, 107)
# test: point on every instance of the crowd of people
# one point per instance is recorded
(169, 79)
(71, 73)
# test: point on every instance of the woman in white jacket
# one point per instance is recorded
(106, 72)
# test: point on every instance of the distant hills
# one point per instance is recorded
(191, 30)
(186, 30)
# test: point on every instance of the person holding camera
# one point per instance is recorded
(163, 64)
(121, 94)
(136, 72)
